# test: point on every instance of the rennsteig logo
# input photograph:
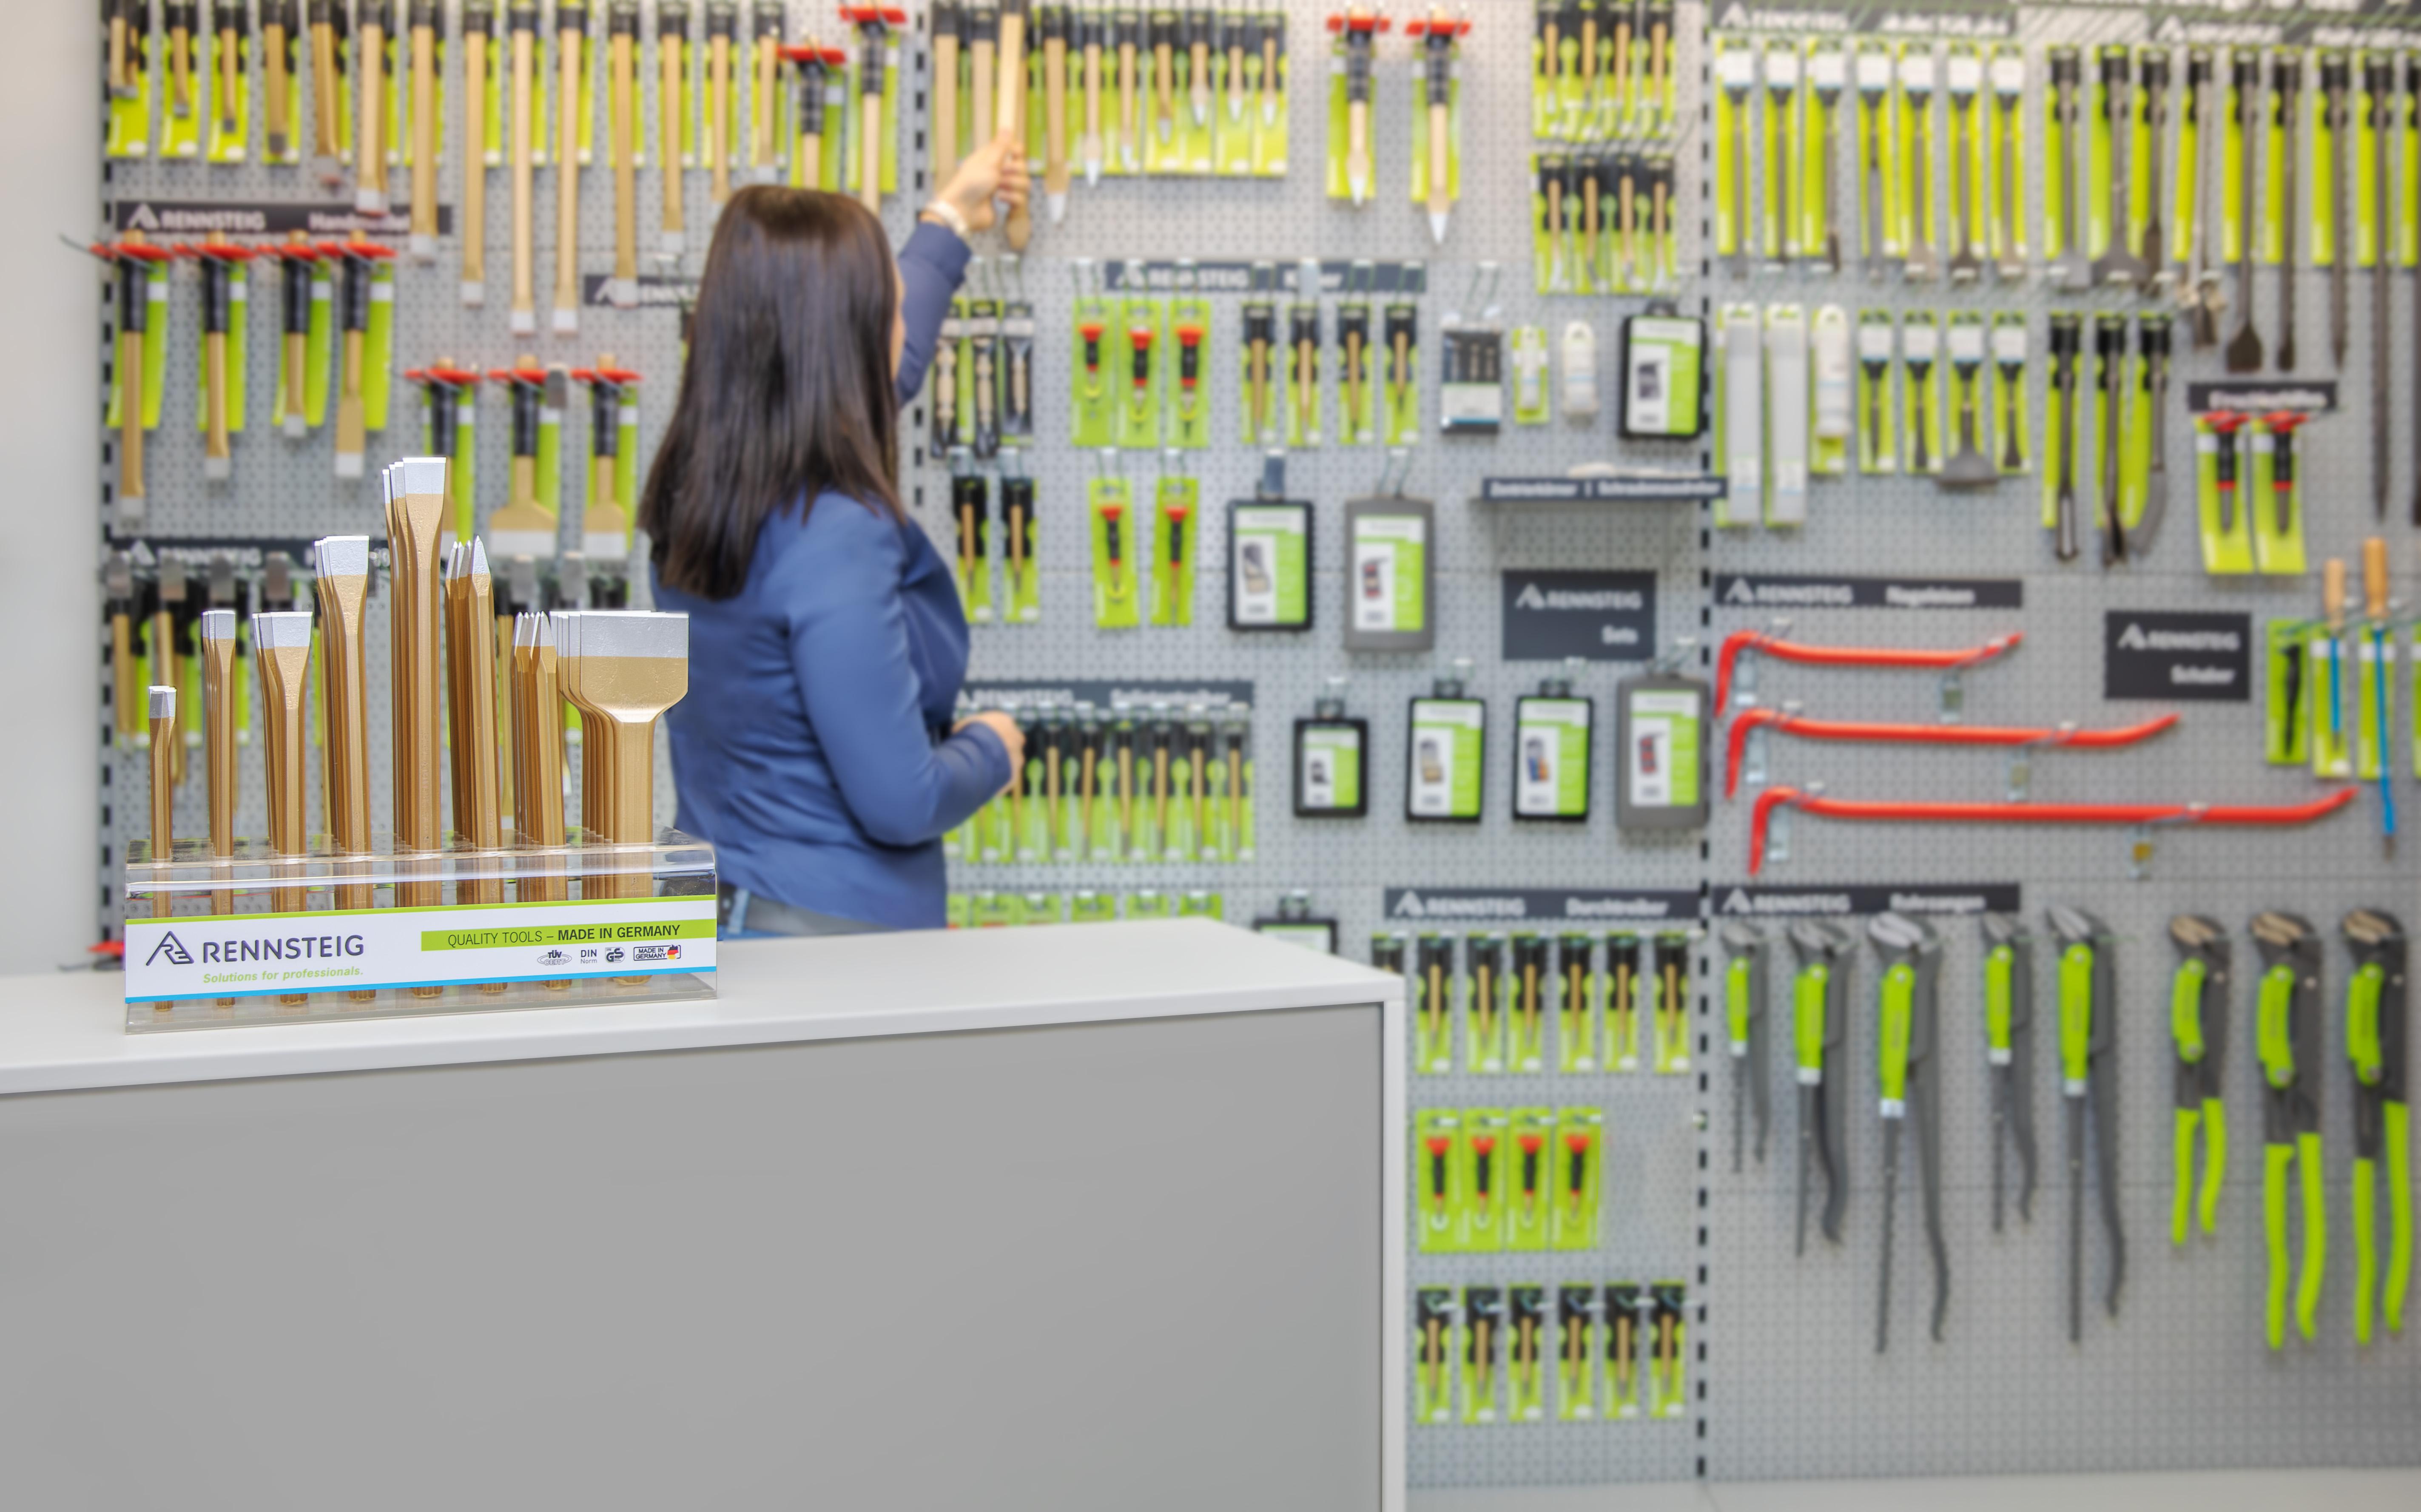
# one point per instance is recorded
(142, 220)
(1530, 598)
(2131, 638)
(173, 948)
(1739, 592)
(1408, 905)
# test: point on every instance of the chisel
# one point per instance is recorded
(426, 17)
(1019, 228)
(416, 494)
(132, 256)
(629, 668)
(281, 650)
(277, 38)
(1197, 730)
(2378, 77)
(722, 34)
(1128, 27)
(2337, 78)
(2286, 86)
(2282, 426)
(168, 615)
(370, 93)
(478, 30)
(1271, 26)
(1198, 62)
(622, 121)
(2198, 285)
(673, 106)
(2244, 74)
(874, 45)
(2152, 338)
(2067, 81)
(341, 566)
(1054, 23)
(2117, 266)
(1090, 36)
(570, 35)
(1233, 734)
(522, 21)
(327, 88)
(228, 22)
(1359, 27)
(2224, 425)
(218, 259)
(812, 80)
(352, 259)
(182, 25)
(162, 705)
(950, 21)
(1437, 44)
(219, 711)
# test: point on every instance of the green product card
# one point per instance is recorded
(1269, 577)
(1388, 573)
(1447, 745)
(1663, 363)
(1661, 766)
(1551, 759)
(1436, 1131)
(1330, 760)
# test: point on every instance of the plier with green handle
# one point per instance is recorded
(1910, 1003)
(1818, 1013)
(1747, 1033)
(2199, 1025)
(2286, 1031)
(2088, 1082)
(2382, 1128)
(2008, 1051)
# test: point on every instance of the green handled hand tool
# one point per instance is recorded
(1744, 1019)
(2287, 1031)
(2008, 1052)
(2199, 1025)
(2382, 1126)
(1909, 1000)
(1819, 1002)
(2088, 1080)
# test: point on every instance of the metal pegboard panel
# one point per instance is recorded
(1787, 1384)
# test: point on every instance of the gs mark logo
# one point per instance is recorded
(173, 948)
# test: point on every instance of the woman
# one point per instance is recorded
(826, 640)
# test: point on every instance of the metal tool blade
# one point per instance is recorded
(1891, 1192)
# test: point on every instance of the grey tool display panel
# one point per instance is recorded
(918, 1266)
(1782, 1380)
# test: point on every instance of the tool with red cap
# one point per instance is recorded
(2226, 426)
(2282, 426)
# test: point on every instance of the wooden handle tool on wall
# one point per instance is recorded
(722, 31)
(479, 31)
(948, 22)
(424, 18)
(570, 40)
(276, 52)
(1019, 228)
(523, 22)
(672, 112)
(327, 92)
(370, 93)
(1054, 112)
(621, 73)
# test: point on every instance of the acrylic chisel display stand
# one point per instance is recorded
(268, 939)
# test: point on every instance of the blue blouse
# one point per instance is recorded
(813, 748)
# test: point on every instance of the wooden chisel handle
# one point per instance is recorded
(2333, 593)
(525, 319)
(869, 136)
(622, 67)
(945, 107)
(130, 417)
(369, 150)
(567, 179)
(1011, 101)
(323, 97)
(671, 56)
(718, 112)
(474, 167)
(273, 42)
(1054, 117)
(2374, 576)
(424, 140)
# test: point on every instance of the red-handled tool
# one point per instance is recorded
(1483, 1162)
(1890, 733)
(2224, 425)
(1439, 1145)
(2282, 426)
(1772, 644)
(2029, 812)
(1531, 1146)
(1576, 1178)
(1139, 396)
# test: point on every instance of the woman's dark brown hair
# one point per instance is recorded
(788, 390)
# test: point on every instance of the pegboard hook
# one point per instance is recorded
(1395, 473)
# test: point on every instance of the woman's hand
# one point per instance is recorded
(1012, 739)
(995, 171)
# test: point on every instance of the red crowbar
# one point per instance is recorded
(1837, 729)
(1851, 808)
(1772, 644)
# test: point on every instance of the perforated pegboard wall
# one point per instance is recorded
(1783, 1380)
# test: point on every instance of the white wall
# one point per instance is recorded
(49, 477)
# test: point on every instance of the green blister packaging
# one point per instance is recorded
(1401, 398)
(1580, 1177)
(1092, 405)
(239, 295)
(2013, 411)
(1668, 992)
(1484, 1004)
(2335, 703)
(1577, 1306)
(2287, 674)
(2374, 699)
(1151, 904)
(2222, 496)
(954, 911)
(1527, 990)
(1622, 1000)
(1110, 503)
(1139, 362)
(1484, 1150)
(1437, 1136)
(995, 911)
(1530, 1160)
(1483, 1354)
(1020, 568)
(230, 114)
(1577, 1005)
(1431, 987)
(1526, 355)
(971, 522)
(1433, 1376)
(1525, 1349)
(1921, 365)
(1626, 1305)
(1176, 532)
(155, 351)
(2277, 534)
(130, 94)
(1877, 341)
(1092, 908)
(1668, 1340)
(1189, 393)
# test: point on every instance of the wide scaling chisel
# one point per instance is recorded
(673, 107)
(1910, 1006)
(622, 125)
(521, 24)
(1818, 1013)
(2009, 1053)
(1744, 1019)
(2376, 1043)
(2117, 266)
(1019, 228)
(721, 38)
(327, 91)
(2287, 1035)
(370, 93)
(1052, 22)
(352, 259)
(2088, 1041)
(279, 35)
(570, 44)
(2198, 1003)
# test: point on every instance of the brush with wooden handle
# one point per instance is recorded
(478, 30)
(765, 28)
(672, 110)
(1054, 112)
(425, 19)
(522, 21)
(570, 40)
(370, 93)
(948, 21)
(722, 33)
(1019, 228)
(277, 35)
(621, 73)
(327, 92)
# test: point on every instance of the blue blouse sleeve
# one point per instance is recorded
(850, 648)
(932, 266)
